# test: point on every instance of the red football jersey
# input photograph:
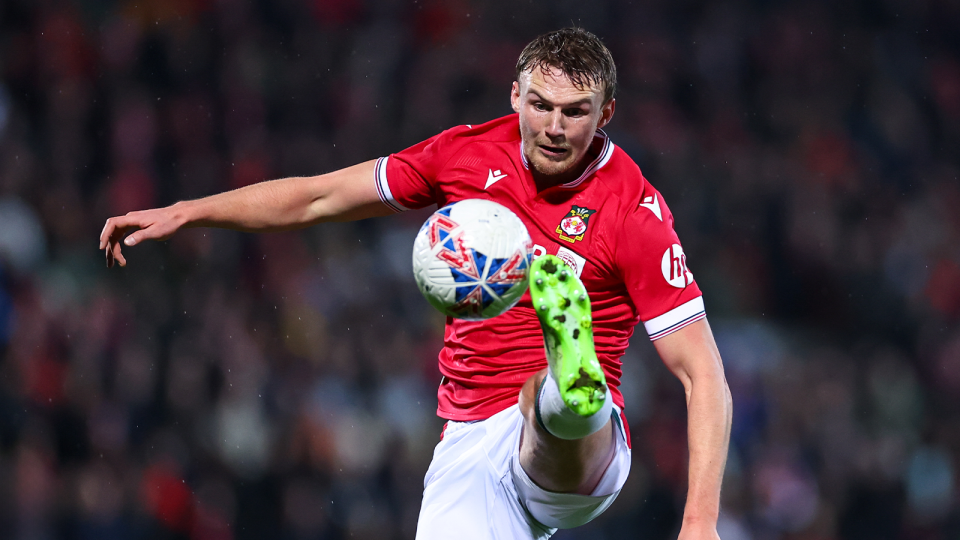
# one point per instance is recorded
(610, 225)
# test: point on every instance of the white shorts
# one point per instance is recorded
(475, 488)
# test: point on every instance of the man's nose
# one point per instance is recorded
(554, 127)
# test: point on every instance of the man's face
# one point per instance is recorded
(557, 120)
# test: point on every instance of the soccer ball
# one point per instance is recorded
(470, 259)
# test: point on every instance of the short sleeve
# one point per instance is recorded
(407, 180)
(654, 268)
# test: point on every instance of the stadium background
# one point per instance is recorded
(232, 386)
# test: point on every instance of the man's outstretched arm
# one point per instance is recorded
(277, 205)
(691, 354)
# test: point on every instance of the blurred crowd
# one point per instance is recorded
(234, 386)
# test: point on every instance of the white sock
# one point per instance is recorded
(559, 420)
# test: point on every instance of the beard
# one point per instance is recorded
(546, 166)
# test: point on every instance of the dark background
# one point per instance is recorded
(226, 385)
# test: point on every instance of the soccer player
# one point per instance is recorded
(535, 439)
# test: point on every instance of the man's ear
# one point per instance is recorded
(515, 96)
(606, 113)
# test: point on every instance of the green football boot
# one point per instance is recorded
(563, 308)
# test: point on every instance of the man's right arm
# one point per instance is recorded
(277, 205)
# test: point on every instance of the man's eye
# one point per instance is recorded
(539, 106)
(575, 113)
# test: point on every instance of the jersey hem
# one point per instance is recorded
(478, 413)
(675, 319)
(467, 416)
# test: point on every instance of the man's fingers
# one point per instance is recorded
(146, 225)
(104, 235)
(112, 235)
(113, 254)
(118, 254)
(147, 233)
(111, 226)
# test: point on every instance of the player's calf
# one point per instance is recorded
(573, 401)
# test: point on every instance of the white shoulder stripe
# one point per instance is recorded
(675, 319)
(383, 186)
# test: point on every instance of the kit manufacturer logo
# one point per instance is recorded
(651, 203)
(493, 176)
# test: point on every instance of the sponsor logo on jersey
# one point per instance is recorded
(674, 267)
(493, 176)
(574, 225)
(652, 204)
(574, 261)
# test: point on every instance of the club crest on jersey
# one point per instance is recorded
(574, 225)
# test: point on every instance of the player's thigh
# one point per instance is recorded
(477, 512)
(469, 492)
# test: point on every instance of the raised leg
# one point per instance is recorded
(568, 440)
